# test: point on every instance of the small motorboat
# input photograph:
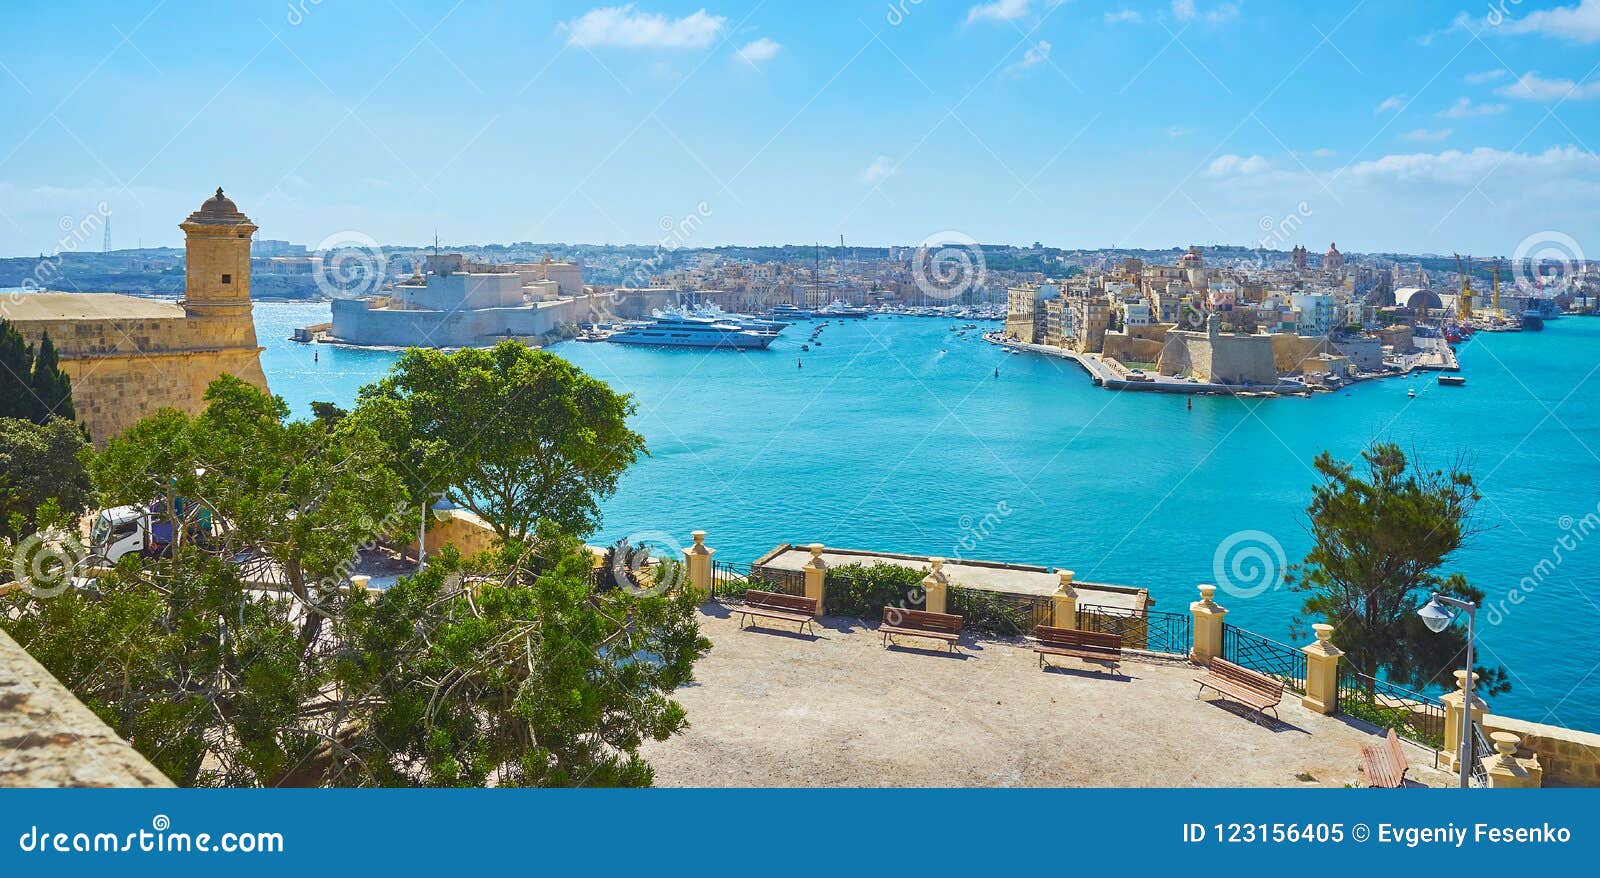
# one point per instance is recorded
(1452, 380)
(1412, 393)
(805, 347)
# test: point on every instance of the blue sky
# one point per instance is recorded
(1421, 127)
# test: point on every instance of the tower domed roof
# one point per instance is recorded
(218, 210)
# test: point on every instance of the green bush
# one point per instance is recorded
(858, 590)
(985, 612)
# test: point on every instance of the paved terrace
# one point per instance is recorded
(771, 708)
(988, 575)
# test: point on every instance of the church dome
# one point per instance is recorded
(218, 210)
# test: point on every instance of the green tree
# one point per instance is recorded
(532, 679)
(38, 463)
(16, 370)
(243, 660)
(521, 437)
(1380, 537)
(52, 389)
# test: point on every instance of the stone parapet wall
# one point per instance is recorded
(1569, 757)
(50, 739)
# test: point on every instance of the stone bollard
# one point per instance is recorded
(935, 586)
(1450, 756)
(816, 571)
(1207, 627)
(1505, 770)
(1064, 603)
(698, 559)
(1322, 672)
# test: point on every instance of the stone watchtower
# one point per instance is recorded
(216, 297)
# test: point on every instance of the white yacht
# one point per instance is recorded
(690, 332)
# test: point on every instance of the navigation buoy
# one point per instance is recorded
(315, 355)
(799, 365)
(1191, 404)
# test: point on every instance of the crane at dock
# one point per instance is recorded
(1464, 303)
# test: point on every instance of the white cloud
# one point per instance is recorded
(1389, 105)
(1579, 24)
(882, 168)
(1457, 168)
(1533, 87)
(626, 27)
(999, 10)
(1486, 76)
(1318, 153)
(1424, 135)
(1176, 132)
(1464, 108)
(1124, 16)
(759, 52)
(1036, 55)
(1186, 10)
(1238, 166)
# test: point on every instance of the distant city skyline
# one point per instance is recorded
(1089, 124)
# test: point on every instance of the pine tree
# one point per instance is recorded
(16, 367)
(52, 389)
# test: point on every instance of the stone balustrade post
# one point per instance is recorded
(698, 559)
(1322, 671)
(1453, 705)
(1208, 618)
(359, 583)
(816, 571)
(935, 586)
(1505, 770)
(1064, 609)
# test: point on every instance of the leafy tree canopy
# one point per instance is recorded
(40, 462)
(1380, 535)
(521, 437)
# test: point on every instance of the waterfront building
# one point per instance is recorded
(1316, 313)
(129, 357)
(460, 303)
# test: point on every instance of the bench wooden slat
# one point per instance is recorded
(920, 623)
(1385, 764)
(1251, 688)
(1094, 646)
(772, 605)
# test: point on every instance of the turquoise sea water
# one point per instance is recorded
(897, 436)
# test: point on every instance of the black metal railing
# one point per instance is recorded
(1413, 716)
(1151, 630)
(1000, 613)
(1266, 655)
(730, 581)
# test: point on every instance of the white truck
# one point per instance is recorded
(142, 528)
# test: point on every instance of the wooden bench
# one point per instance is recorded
(1091, 646)
(920, 623)
(771, 605)
(1384, 764)
(1243, 685)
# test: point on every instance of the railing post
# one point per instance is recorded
(1064, 611)
(1207, 627)
(935, 586)
(1454, 703)
(698, 559)
(1322, 671)
(1505, 770)
(816, 571)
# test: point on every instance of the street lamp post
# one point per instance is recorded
(440, 508)
(1435, 615)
